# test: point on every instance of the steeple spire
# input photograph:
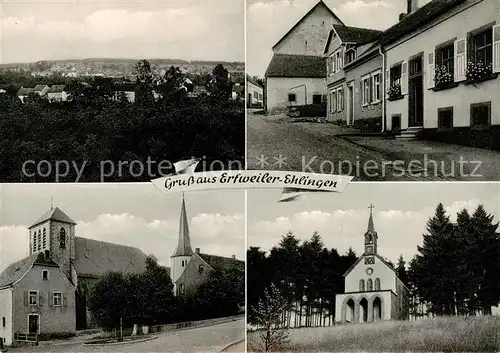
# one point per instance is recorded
(184, 245)
(371, 226)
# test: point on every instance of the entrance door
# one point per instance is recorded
(350, 104)
(416, 92)
(33, 323)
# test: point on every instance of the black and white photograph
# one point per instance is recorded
(390, 90)
(359, 271)
(121, 268)
(113, 91)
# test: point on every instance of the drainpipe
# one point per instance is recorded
(384, 90)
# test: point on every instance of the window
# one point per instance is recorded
(350, 55)
(57, 298)
(376, 87)
(333, 101)
(396, 122)
(256, 95)
(331, 65)
(481, 47)
(45, 275)
(340, 99)
(377, 284)
(181, 288)
(200, 268)
(445, 118)
(292, 97)
(33, 297)
(62, 238)
(34, 241)
(365, 90)
(317, 98)
(44, 245)
(396, 75)
(4, 323)
(39, 240)
(480, 114)
(369, 285)
(445, 58)
(361, 285)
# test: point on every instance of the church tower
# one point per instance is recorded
(183, 252)
(371, 235)
(54, 233)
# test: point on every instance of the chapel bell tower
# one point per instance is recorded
(371, 236)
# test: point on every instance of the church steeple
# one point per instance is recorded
(371, 236)
(184, 244)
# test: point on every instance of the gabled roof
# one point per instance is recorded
(319, 4)
(94, 258)
(252, 81)
(284, 65)
(184, 243)
(220, 263)
(24, 91)
(362, 257)
(419, 18)
(356, 35)
(56, 89)
(54, 214)
(38, 88)
(18, 269)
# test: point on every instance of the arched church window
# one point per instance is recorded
(62, 238)
(44, 246)
(377, 284)
(369, 285)
(361, 285)
(39, 240)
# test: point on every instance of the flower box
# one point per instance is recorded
(394, 92)
(478, 72)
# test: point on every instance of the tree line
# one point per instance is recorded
(307, 274)
(163, 123)
(148, 298)
(454, 272)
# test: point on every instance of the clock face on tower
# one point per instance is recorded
(369, 249)
(369, 271)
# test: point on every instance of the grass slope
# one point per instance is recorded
(450, 334)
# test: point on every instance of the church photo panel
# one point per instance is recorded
(67, 249)
(330, 269)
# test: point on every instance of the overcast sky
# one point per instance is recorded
(268, 21)
(130, 214)
(400, 214)
(192, 30)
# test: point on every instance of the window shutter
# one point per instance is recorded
(387, 83)
(342, 99)
(65, 300)
(41, 299)
(460, 59)
(51, 299)
(404, 78)
(496, 48)
(26, 298)
(432, 71)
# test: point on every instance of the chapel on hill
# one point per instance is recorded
(373, 290)
(46, 293)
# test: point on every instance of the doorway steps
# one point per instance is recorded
(409, 134)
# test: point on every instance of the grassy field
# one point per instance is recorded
(451, 334)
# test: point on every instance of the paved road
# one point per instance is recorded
(204, 339)
(314, 147)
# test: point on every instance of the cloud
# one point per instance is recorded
(399, 231)
(219, 234)
(194, 31)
